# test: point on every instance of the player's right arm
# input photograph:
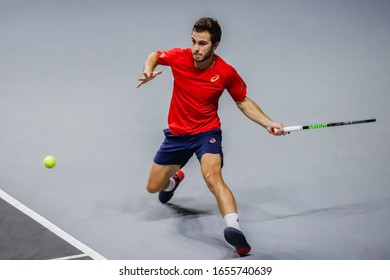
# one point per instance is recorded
(149, 66)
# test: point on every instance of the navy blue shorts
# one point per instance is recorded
(178, 149)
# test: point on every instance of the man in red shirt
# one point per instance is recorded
(200, 78)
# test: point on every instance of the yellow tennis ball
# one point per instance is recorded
(49, 161)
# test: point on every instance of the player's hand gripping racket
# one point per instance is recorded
(324, 125)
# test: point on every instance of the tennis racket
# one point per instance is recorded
(324, 125)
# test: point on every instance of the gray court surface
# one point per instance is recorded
(23, 238)
(68, 76)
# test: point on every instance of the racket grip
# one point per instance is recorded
(293, 128)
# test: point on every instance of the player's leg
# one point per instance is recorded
(159, 177)
(211, 166)
(165, 174)
(210, 155)
(164, 179)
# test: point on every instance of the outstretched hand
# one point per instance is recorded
(147, 77)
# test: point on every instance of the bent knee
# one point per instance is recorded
(153, 187)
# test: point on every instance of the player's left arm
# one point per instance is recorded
(150, 64)
(253, 112)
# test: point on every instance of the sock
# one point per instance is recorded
(171, 185)
(231, 220)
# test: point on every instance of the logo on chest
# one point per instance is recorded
(214, 79)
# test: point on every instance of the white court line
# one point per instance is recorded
(71, 257)
(50, 226)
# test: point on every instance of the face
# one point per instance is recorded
(202, 47)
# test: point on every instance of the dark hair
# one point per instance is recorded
(210, 25)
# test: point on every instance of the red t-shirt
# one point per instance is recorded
(196, 92)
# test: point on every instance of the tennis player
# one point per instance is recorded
(200, 78)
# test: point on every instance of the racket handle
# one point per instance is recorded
(293, 128)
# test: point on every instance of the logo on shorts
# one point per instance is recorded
(213, 140)
(213, 79)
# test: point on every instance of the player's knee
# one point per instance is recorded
(212, 178)
(152, 188)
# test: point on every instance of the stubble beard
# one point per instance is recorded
(203, 58)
